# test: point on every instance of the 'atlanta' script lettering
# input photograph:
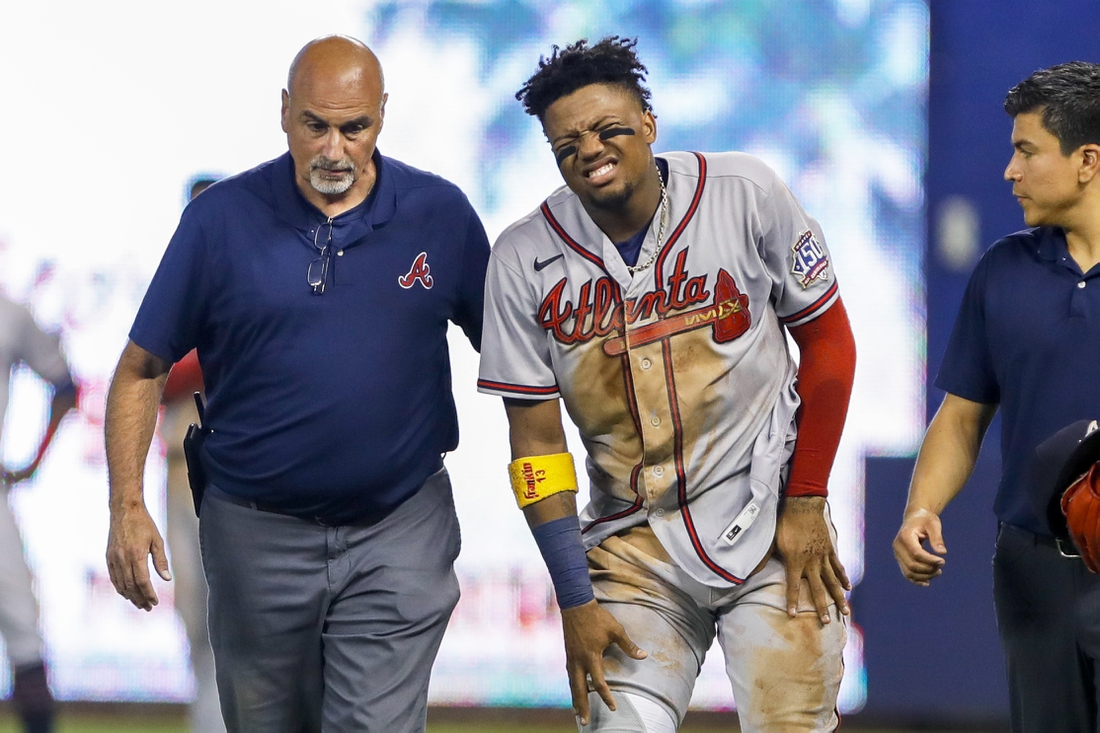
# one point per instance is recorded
(599, 312)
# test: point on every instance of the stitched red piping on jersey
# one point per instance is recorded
(681, 473)
(658, 270)
(612, 517)
(572, 243)
(632, 405)
(517, 388)
(810, 309)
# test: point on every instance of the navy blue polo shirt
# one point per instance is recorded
(339, 404)
(1027, 338)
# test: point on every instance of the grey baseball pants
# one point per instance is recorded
(329, 629)
(18, 607)
(785, 673)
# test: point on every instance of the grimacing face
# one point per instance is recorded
(1044, 180)
(600, 137)
(332, 124)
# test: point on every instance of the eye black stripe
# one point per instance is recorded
(615, 132)
(562, 153)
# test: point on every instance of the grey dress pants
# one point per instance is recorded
(329, 629)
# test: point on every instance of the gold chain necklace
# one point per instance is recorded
(632, 269)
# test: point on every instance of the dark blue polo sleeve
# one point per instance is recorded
(967, 369)
(170, 318)
(471, 296)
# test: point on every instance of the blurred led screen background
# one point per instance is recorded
(111, 108)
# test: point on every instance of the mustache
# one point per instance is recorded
(333, 166)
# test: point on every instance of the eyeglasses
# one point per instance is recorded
(317, 272)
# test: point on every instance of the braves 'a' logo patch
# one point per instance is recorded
(419, 271)
(810, 261)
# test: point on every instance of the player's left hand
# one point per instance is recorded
(802, 540)
(589, 631)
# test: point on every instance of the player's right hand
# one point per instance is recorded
(918, 564)
(589, 631)
(133, 537)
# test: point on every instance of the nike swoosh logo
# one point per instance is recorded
(546, 263)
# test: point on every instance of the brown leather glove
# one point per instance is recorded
(1081, 505)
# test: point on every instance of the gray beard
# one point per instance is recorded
(328, 185)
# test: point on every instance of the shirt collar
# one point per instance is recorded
(293, 208)
(1052, 243)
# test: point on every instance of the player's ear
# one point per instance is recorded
(1090, 162)
(285, 113)
(649, 127)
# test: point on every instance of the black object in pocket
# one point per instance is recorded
(192, 447)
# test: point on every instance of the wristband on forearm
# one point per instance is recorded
(559, 541)
(536, 477)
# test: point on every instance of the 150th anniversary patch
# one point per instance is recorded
(810, 261)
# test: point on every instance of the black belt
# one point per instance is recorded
(260, 506)
(1064, 545)
(263, 506)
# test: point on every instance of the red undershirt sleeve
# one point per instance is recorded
(826, 369)
(184, 380)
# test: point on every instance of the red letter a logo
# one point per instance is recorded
(420, 271)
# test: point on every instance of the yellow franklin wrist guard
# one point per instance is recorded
(536, 477)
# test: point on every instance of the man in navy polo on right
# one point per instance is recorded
(317, 289)
(1027, 341)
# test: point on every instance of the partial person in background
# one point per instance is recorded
(1027, 342)
(22, 341)
(318, 289)
(183, 531)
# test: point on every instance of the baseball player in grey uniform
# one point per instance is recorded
(21, 340)
(654, 296)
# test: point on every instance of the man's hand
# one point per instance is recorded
(917, 564)
(589, 630)
(133, 537)
(803, 542)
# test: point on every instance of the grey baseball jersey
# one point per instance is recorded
(678, 376)
(21, 340)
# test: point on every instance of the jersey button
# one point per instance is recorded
(660, 512)
(646, 363)
(1081, 284)
(656, 421)
(658, 470)
(339, 253)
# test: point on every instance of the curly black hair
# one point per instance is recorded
(1068, 98)
(611, 61)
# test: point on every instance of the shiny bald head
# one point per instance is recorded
(340, 54)
(332, 112)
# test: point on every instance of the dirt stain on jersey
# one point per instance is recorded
(597, 403)
(695, 365)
